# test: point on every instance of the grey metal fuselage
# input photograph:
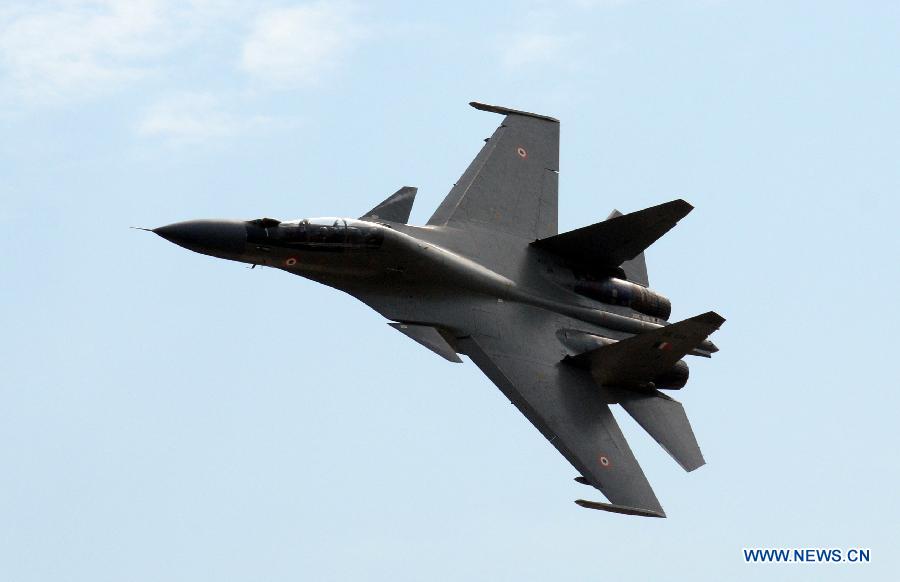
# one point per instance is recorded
(412, 273)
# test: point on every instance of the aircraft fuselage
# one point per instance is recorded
(349, 254)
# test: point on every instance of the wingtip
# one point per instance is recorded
(685, 204)
(694, 466)
(680, 207)
(624, 510)
(718, 318)
(507, 111)
(711, 318)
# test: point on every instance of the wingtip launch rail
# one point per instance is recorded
(508, 111)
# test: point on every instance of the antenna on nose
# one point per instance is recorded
(141, 228)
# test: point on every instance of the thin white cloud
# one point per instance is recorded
(60, 51)
(194, 118)
(603, 3)
(533, 48)
(71, 48)
(297, 45)
(63, 52)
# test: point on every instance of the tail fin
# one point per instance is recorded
(636, 268)
(665, 420)
(619, 239)
(395, 208)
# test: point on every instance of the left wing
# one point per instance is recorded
(522, 357)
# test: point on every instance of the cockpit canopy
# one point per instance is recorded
(265, 222)
(321, 232)
(332, 221)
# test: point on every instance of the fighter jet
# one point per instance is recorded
(565, 324)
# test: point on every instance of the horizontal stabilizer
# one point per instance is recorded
(429, 337)
(396, 208)
(612, 508)
(610, 243)
(636, 361)
(665, 420)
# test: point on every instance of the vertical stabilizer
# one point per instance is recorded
(636, 268)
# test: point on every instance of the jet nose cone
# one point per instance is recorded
(211, 237)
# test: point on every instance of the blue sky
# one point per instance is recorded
(167, 416)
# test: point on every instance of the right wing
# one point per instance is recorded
(563, 402)
(511, 185)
